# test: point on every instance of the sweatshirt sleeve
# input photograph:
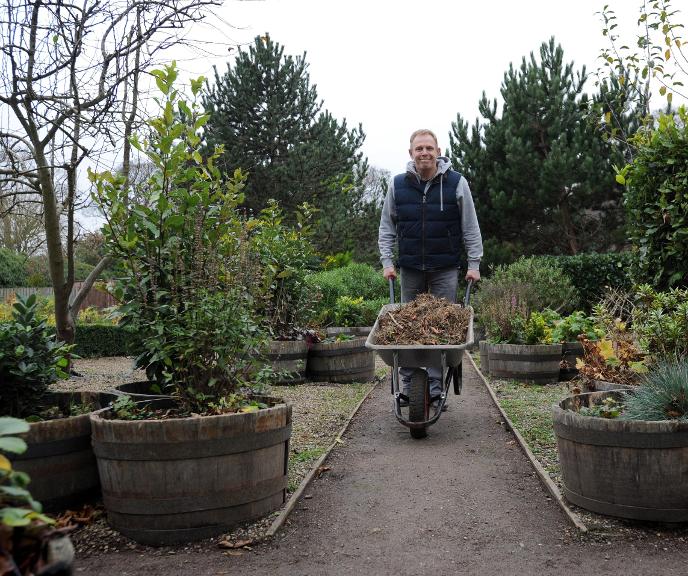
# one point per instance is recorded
(472, 238)
(387, 234)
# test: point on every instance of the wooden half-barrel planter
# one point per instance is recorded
(288, 359)
(59, 458)
(484, 357)
(536, 363)
(341, 362)
(631, 469)
(349, 330)
(183, 479)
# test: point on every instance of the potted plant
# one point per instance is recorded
(215, 454)
(29, 543)
(519, 340)
(286, 255)
(59, 455)
(625, 452)
(566, 330)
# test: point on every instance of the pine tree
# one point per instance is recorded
(266, 113)
(541, 173)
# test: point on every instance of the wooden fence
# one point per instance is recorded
(95, 297)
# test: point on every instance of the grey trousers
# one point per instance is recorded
(441, 283)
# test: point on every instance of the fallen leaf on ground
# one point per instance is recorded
(235, 544)
(323, 469)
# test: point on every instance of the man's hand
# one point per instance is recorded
(473, 275)
(389, 272)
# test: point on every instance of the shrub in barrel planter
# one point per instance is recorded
(529, 355)
(567, 331)
(625, 453)
(215, 454)
(59, 457)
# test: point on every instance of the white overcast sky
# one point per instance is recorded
(397, 65)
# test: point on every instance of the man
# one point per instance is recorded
(429, 210)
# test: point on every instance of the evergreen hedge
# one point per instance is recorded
(12, 272)
(98, 340)
(592, 273)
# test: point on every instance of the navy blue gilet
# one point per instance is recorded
(428, 231)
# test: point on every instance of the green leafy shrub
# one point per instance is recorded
(17, 507)
(592, 274)
(662, 395)
(286, 255)
(545, 282)
(568, 329)
(660, 321)
(355, 281)
(30, 359)
(191, 283)
(338, 260)
(655, 201)
(12, 272)
(104, 340)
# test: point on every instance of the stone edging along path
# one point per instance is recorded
(541, 472)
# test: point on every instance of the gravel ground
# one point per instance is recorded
(319, 411)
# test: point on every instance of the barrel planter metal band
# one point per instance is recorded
(538, 363)
(59, 458)
(181, 479)
(341, 362)
(625, 468)
(288, 359)
(139, 391)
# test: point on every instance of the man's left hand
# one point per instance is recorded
(473, 275)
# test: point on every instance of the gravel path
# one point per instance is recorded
(463, 501)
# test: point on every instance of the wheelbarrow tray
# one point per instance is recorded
(417, 355)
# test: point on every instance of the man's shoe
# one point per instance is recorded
(436, 403)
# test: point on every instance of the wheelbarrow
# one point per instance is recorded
(449, 356)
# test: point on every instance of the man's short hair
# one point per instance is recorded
(423, 132)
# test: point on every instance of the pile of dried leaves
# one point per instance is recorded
(427, 321)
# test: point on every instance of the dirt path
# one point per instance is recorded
(463, 501)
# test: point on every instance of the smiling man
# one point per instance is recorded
(429, 213)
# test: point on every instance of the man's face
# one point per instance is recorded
(424, 152)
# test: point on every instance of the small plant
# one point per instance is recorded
(348, 311)
(660, 319)
(663, 394)
(30, 359)
(568, 329)
(609, 408)
(612, 361)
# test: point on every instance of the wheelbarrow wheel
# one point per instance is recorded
(419, 402)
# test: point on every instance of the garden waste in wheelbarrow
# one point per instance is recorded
(418, 356)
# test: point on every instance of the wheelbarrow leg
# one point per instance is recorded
(419, 401)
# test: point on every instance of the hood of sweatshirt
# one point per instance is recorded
(443, 164)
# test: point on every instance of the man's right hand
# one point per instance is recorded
(389, 272)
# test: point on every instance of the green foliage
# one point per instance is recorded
(540, 173)
(17, 507)
(349, 311)
(662, 395)
(102, 340)
(12, 271)
(338, 260)
(191, 282)
(660, 321)
(286, 255)
(353, 281)
(38, 271)
(568, 329)
(593, 273)
(266, 113)
(30, 359)
(656, 201)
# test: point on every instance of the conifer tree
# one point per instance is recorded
(267, 114)
(541, 172)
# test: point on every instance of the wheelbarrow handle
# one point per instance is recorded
(467, 295)
(391, 290)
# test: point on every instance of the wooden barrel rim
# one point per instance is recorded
(525, 357)
(340, 352)
(190, 449)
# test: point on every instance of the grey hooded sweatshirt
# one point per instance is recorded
(472, 239)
